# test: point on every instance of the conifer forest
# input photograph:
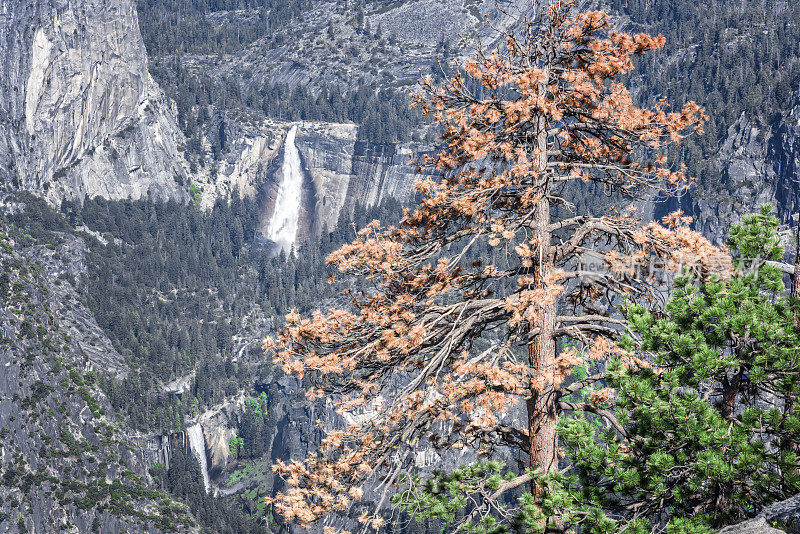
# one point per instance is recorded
(400, 266)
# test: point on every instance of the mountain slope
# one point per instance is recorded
(67, 463)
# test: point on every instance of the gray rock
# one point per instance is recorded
(79, 112)
(759, 165)
(784, 515)
(340, 171)
(754, 526)
(65, 264)
(217, 428)
(345, 172)
(59, 436)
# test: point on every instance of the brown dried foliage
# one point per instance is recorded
(403, 359)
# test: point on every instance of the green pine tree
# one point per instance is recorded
(708, 428)
(701, 433)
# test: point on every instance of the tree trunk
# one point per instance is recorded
(795, 293)
(789, 401)
(542, 413)
(542, 408)
(730, 391)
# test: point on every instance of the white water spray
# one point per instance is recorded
(282, 228)
(197, 442)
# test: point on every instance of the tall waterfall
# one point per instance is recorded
(197, 442)
(282, 228)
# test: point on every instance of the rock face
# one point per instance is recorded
(68, 263)
(156, 449)
(340, 172)
(217, 431)
(415, 28)
(754, 526)
(79, 111)
(346, 172)
(758, 165)
(784, 515)
(784, 154)
(252, 156)
(747, 171)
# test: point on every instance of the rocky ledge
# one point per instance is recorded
(781, 517)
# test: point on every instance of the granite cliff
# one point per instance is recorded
(79, 112)
(339, 170)
(81, 115)
(758, 164)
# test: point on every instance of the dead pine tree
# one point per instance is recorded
(445, 341)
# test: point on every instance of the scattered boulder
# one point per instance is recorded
(784, 515)
(754, 526)
(778, 518)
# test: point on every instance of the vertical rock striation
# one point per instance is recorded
(79, 112)
(339, 172)
(784, 152)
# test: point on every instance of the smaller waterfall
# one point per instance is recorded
(197, 442)
(282, 227)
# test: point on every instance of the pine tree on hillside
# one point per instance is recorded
(444, 344)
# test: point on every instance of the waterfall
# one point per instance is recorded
(282, 228)
(197, 442)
